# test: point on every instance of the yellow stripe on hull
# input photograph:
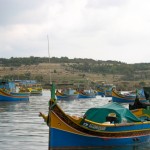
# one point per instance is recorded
(59, 124)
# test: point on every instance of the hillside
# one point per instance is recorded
(63, 73)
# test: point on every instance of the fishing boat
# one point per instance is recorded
(104, 126)
(86, 94)
(7, 97)
(126, 98)
(35, 91)
(30, 87)
(100, 92)
(69, 95)
(105, 90)
(140, 109)
(23, 89)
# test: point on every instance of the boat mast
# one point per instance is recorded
(49, 60)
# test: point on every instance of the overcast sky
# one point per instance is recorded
(97, 29)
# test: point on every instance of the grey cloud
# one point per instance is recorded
(105, 3)
(10, 9)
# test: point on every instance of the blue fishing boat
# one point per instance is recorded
(100, 92)
(66, 95)
(7, 97)
(122, 98)
(105, 90)
(86, 94)
(104, 126)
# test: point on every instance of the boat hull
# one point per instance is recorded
(20, 94)
(35, 93)
(100, 93)
(6, 97)
(77, 135)
(62, 96)
(67, 97)
(13, 98)
(73, 140)
(116, 97)
(86, 95)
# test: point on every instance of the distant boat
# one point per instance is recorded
(86, 94)
(30, 86)
(34, 91)
(105, 90)
(122, 98)
(100, 92)
(7, 97)
(67, 95)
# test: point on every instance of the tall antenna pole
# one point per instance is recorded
(49, 60)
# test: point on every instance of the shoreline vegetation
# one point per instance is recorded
(76, 72)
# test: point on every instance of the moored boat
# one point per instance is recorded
(86, 94)
(100, 92)
(30, 86)
(35, 91)
(104, 126)
(105, 90)
(7, 97)
(66, 96)
(122, 98)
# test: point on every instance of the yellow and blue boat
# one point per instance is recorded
(120, 98)
(105, 90)
(86, 94)
(100, 91)
(66, 96)
(35, 91)
(7, 97)
(104, 126)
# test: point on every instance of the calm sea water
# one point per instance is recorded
(22, 129)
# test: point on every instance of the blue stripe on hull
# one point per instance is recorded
(128, 128)
(62, 139)
(71, 97)
(121, 100)
(85, 96)
(11, 99)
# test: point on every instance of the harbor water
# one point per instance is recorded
(21, 128)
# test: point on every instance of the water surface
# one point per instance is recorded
(22, 129)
